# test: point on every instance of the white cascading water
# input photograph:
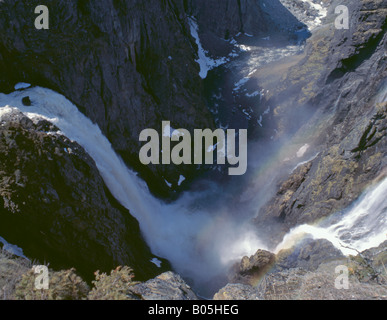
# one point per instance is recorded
(364, 226)
(189, 238)
(361, 227)
(200, 243)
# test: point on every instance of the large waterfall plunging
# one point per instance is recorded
(199, 242)
(193, 240)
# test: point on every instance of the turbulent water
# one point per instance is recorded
(204, 232)
(362, 227)
(199, 241)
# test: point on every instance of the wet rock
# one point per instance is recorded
(55, 206)
(250, 269)
(309, 254)
(370, 265)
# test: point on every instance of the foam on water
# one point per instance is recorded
(191, 238)
(200, 242)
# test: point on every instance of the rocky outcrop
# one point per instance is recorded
(241, 16)
(12, 269)
(127, 65)
(308, 271)
(308, 255)
(252, 268)
(306, 11)
(55, 205)
(167, 286)
(318, 280)
(237, 291)
(17, 282)
(340, 89)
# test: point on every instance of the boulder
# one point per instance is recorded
(250, 269)
(237, 291)
(167, 286)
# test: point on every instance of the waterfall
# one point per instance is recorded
(364, 226)
(189, 237)
(200, 242)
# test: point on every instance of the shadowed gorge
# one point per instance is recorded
(311, 97)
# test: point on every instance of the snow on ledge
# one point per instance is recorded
(22, 85)
(206, 63)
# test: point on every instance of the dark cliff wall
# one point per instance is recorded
(55, 205)
(229, 17)
(127, 65)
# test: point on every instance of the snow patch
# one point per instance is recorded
(168, 183)
(254, 94)
(22, 85)
(181, 180)
(13, 249)
(304, 162)
(240, 83)
(303, 150)
(322, 13)
(157, 262)
(206, 63)
(259, 121)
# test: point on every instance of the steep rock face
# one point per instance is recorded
(222, 20)
(241, 16)
(55, 205)
(232, 17)
(309, 12)
(341, 83)
(127, 65)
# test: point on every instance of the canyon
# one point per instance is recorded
(312, 99)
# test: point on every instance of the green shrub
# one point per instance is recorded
(115, 286)
(63, 285)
